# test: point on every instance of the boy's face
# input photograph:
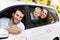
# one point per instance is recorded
(36, 13)
(17, 16)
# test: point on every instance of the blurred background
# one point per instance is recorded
(52, 3)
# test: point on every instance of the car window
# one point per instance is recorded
(54, 14)
(37, 20)
(7, 12)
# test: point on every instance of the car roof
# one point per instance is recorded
(4, 5)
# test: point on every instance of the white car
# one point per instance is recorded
(36, 32)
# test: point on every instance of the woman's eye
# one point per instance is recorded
(17, 15)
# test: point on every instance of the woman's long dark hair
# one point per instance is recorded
(46, 20)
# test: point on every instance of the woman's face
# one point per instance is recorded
(44, 13)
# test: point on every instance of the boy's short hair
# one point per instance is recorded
(37, 8)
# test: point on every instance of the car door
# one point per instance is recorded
(43, 32)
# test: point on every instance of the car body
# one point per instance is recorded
(44, 32)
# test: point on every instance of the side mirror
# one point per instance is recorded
(3, 33)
